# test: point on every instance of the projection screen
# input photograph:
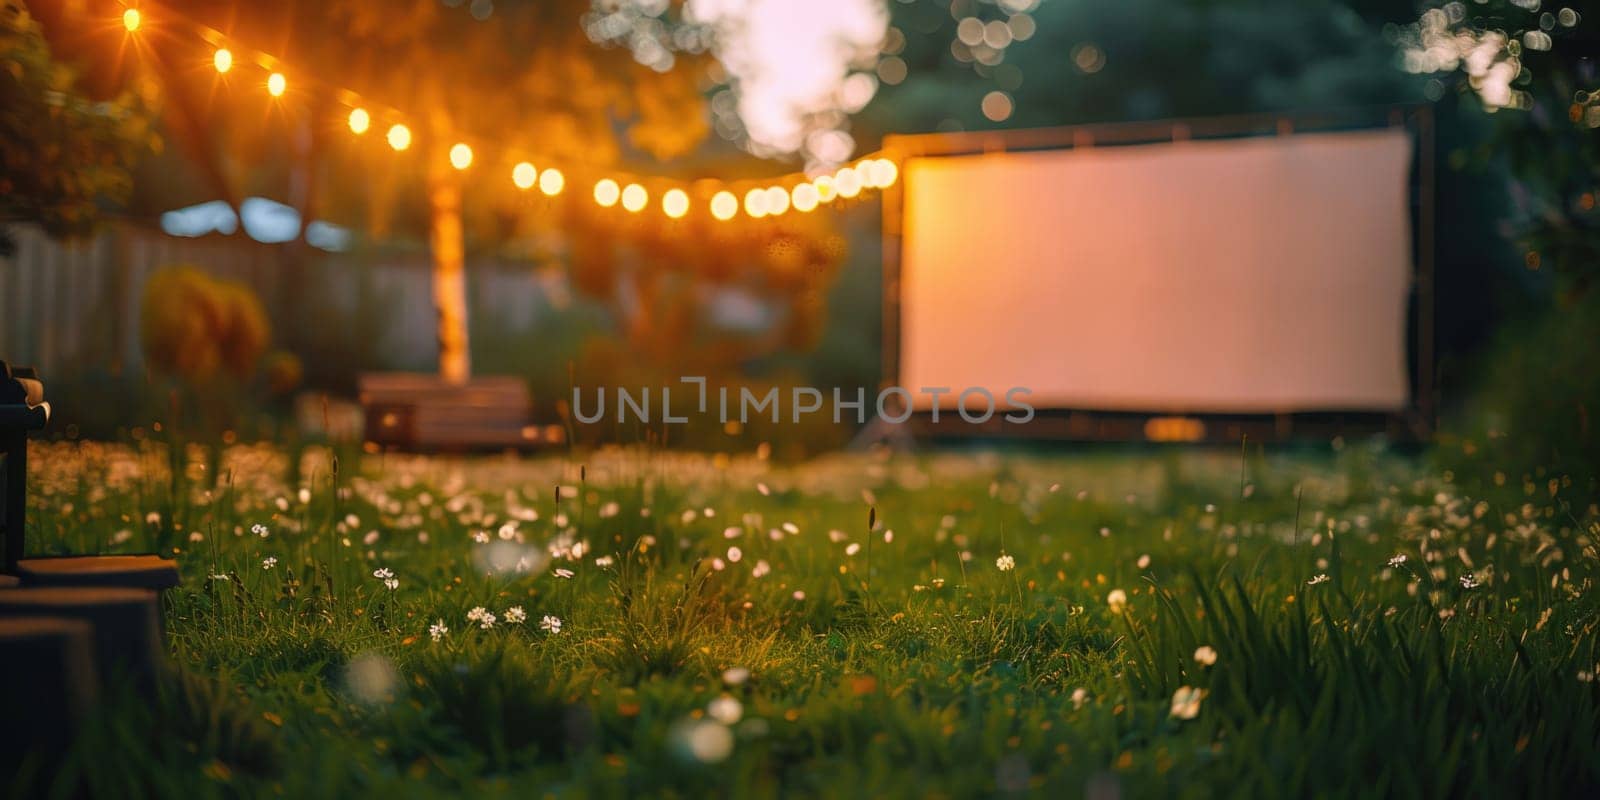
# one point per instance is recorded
(1265, 274)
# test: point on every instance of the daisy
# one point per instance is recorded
(1186, 702)
(1117, 600)
(260, 530)
(516, 614)
(437, 630)
(550, 624)
(1005, 563)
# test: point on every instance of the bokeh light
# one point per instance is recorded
(675, 203)
(222, 59)
(634, 197)
(825, 189)
(755, 203)
(524, 175)
(847, 182)
(277, 84)
(399, 137)
(132, 19)
(804, 197)
(551, 182)
(360, 121)
(460, 155)
(997, 106)
(777, 200)
(724, 205)
(607, 192)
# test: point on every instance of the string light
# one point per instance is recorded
(777, 200)
(523, 175)
(804, 197)
(634, 197)
(399, 137)
(847, 182)
(675, 203)
(772, 200)
(551, 182)
(724, 205)
(755, 203)
(825, 190)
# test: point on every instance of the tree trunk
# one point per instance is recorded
(449, 278)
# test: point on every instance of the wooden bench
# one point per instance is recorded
(422, 411)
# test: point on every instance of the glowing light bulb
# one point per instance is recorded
(888, 173)
(551, 182)
(804, 197)
(399, 137)
(634, 197)
(524, 175)
(277, 84)
(847, 182)
(460, 155)
(360, 121)
(606, 192)
(675, 203)
(755, 203)
(222, 59)
(825, 189)
(132, 19)
(777, 200)
(724, 205)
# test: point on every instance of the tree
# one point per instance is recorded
(68, 143)
(526, 78)
(520, 77)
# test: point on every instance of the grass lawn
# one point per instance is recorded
(1142, 624)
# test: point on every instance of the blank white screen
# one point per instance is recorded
(1254, 275)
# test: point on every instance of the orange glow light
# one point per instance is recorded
(777, 200)
(634, 197)
(460, 155)
(132, 19)
(804, 197)
(277, 84)
(606, 192)
(399, 137)
(847, 182)
(222, 59)
(724, 205)
(755, 203)
(524, 175)
(551, 182)
(825, 189)
(360, 121)
(675, 203)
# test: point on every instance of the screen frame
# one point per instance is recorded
(1415, 422)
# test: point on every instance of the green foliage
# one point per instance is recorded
(65, 154)
(802, 667)
(1534, 417)
(1545, 125)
